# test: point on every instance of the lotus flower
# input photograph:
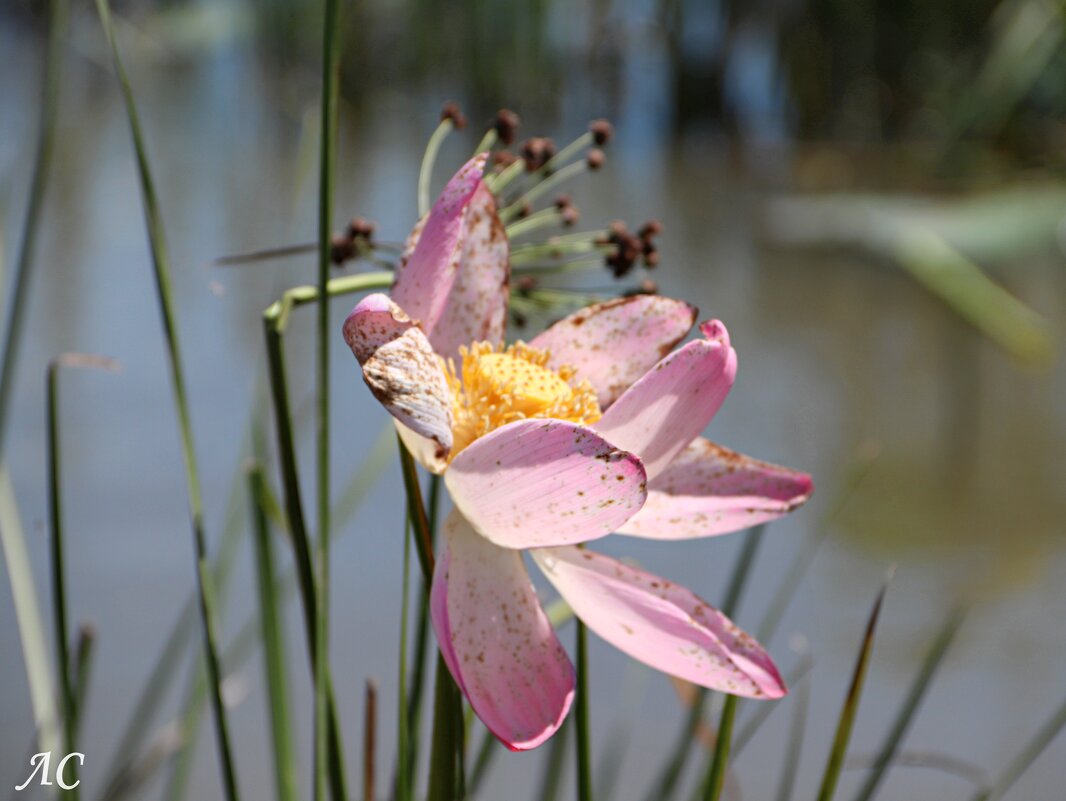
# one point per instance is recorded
(591, 428)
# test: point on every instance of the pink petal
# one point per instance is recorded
(425, 279)
(476, 308)
(613, 344)
(659, 623)
(400, 368)
(672, 403)
(710, 490)
(545, 482)
(496, 640)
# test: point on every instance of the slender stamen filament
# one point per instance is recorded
(546, 185)
(487, 141)
(425, 173)
(545, 218)
(554, 249)
(497, 183)
(565, 154)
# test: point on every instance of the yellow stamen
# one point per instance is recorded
(496, 386)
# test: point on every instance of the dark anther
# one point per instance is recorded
(524, 210)
(569, 215)
(526, 284)
(651, 257)
(595, 158)
(503, 158)
(342, 248)
(602, 131)
(506, 125)
(537, 151)
(362, 228)
(563, 201)
(452, 112)
(518, 319)
(628, 247)
(651, 228)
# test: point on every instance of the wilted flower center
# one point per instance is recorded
(495, 386)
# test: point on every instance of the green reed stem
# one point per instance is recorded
(482, 760)
(922, 681)
(669, 776)
(714, 780)
(425, 173)
(402, 785)
(274, 318)
(161, 265)
(83, 655)
(851, 706)
(417, 512)
(59, 594)
(581, 717)
(552, 775)
(422, 647)
(12, 541)
(370, 726)
(790, 765)
(1030, 751)
(58, 13)
(447, 717)
(327, 170)
(273, 636)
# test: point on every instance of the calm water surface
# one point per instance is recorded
(838, 354)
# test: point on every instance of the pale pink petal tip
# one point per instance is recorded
(715, 330)
(612, 344)
(496, 640)
(660, 623)
(709, 490)
(400, 368)
(537, 482)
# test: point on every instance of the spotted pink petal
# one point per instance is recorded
(543, 482)
(673, 402)
(400, 368)
(426, 277)
(710, 490)
(496, 640)
(612, 344)
(659, 623)
(476, 309)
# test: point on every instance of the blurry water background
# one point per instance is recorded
(719, 109)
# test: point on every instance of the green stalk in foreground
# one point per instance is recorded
(581, 717)
(851, 705)
(328, 157)
(64, 664)
(283, 756)
(715, 779)
(12, 542)
(160, 261)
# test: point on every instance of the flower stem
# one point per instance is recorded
(327, 170)
(581, 715)
(272, 632)
(715, 779)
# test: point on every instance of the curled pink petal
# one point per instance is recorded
(710, 490)
(545, 482)
(673, 402)
(400, 368)
(660, 623)
(612, 344)
(476, 308)
(425, 278)
(496, 640)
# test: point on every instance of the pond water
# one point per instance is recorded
(840, 356)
